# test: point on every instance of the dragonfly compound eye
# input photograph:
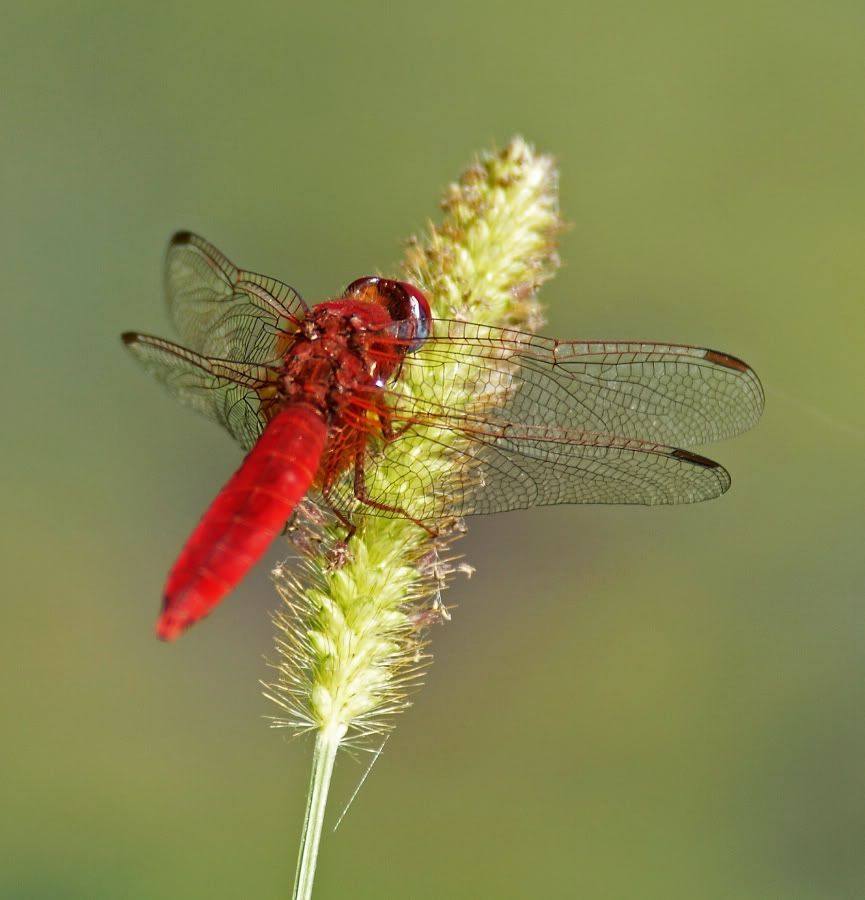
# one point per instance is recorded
(407, 306)
(419, 315)
(366, 288)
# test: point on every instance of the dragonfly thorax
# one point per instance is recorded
(341, 356)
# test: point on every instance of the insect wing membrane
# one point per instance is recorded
(669, 394)
(518, 421)
(224, 391)
(483, 472)
(225, 312)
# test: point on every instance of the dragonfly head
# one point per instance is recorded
(407, 305)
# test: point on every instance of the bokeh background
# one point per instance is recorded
(629, 703)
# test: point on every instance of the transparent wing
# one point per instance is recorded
(520, 467)
(222, 311)
(552, 422)
(231, 393)
(665, 393)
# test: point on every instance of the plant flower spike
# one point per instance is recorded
(399, 407)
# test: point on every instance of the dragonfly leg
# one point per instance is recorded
(339, 553)
(350, 527)
(305, 531)
(363, 496)
(388, 432)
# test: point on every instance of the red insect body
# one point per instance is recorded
(310, 392)
(247, 514)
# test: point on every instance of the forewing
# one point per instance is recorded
(223, 390)
(665, 393)
(222, 311)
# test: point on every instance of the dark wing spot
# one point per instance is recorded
(696, 459)
(724, 359)
(181, 237)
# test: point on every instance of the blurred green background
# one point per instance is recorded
(629, 703)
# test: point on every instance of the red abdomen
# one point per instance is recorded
(247, 514)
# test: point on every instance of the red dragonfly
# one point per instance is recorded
(322, 398)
